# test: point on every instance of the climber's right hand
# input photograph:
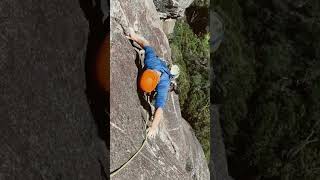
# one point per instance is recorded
(151, 132)
(128, 37)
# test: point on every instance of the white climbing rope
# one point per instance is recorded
(113, 173)
(174, 107)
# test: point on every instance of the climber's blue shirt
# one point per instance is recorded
(155, 63)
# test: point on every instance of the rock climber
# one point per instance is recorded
(156, 78)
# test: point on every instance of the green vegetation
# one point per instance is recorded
(267, 81)
(191, 53)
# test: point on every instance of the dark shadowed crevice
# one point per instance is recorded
(97, 96)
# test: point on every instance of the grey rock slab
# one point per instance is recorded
(168, 26)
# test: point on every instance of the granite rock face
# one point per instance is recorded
(168, 26)
(172, 8)
(47, 128)
(175, 153)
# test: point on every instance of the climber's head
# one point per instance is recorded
(149, 80)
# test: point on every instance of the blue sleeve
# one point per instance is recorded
(162, 93)
(149, 52)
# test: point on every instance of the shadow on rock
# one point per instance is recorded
(97, 97)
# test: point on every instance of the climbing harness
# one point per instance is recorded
(174, 86)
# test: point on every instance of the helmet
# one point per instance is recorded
(175, 71)
(149, 80)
